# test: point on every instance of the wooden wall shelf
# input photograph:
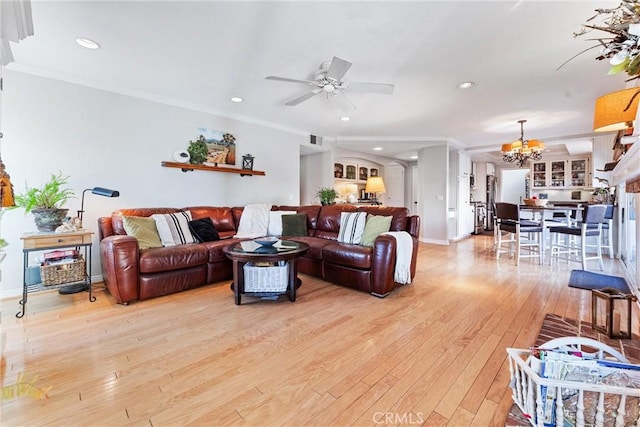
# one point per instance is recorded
(186, 167)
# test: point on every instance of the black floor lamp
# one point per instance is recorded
(100, 191)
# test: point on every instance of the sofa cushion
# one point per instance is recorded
(312, 212)
(221, 217)
(294, 225)
(275, 222)
(215, 249)
(116, 216)
(316, 244)
(329, 220)
(203, 230)
(173, 228)
(399, 214)
(351, 227)
(354, 256)
(143, 229)
(375, 226)
(173, 258)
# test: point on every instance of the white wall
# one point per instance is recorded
(313, 175)
(512, 185)
(104, 139)
(433, 165)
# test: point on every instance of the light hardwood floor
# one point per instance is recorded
(431, 353)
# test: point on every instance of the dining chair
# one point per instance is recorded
(569, 249)
(522, 234)
(607, 230)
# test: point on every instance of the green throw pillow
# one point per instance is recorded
(294, 225)
(144, 229)
(375, 226)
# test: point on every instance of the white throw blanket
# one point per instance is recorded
(404, 252)
(254, 221)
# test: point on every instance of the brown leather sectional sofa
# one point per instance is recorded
(132, 274)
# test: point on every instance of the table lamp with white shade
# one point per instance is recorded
(375, 185)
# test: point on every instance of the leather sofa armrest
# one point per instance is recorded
(413, 226)
(120, 256)
(383, 265)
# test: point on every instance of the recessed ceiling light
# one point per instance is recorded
(377, 148)
(345, 118)
(414, 157)
(88, 43)
(466, 85)
(236, 99)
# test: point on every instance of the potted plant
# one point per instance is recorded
(327, 196)
(198, 151)
(45, 201)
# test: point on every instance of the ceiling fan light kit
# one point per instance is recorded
(328, 79)
(522, 150)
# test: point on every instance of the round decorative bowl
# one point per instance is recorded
(536, 202)
(266, 241)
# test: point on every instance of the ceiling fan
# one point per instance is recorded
(328, 79)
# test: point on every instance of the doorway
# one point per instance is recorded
(394, 176)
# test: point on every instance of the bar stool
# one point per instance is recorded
(508, 222)
(590, 226)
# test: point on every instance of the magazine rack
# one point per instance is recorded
(529, 387)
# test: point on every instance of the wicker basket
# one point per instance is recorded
(546, 401)
(58, 274)
(265, 279)
(536, 202)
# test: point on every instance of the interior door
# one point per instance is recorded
(414, 191)
(394, 184)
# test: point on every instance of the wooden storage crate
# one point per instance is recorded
(57, 274)
(266, 279)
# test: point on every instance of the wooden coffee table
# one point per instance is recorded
(284, 251)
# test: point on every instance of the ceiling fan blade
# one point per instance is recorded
(286, 79)
(338, 68)
(383, 88)
(344, 102)
(301, 99)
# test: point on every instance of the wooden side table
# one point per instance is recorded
(32, 242)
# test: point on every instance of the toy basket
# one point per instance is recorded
(266, 279)
(536, 202)
(57, 274)
(546, 401)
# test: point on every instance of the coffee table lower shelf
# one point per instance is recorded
(241, 257)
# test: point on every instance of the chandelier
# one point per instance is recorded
(522, 150)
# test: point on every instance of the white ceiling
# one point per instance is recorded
(199, 54)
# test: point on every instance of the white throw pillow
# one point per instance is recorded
(173, 228)
(275, 222)
(351, 227)
(254, 221)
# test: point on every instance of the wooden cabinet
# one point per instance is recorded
(563, 173)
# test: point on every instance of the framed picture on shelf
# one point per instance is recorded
(221, 147)
(363, 174)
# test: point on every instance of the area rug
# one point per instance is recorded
(587, 280)
(554, 326)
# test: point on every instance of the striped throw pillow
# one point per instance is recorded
(173, 228)
(351, 227)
